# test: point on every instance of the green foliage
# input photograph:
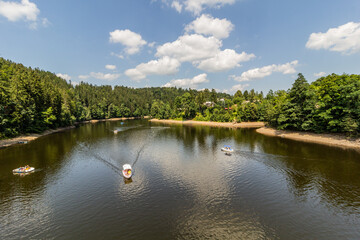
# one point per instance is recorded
(330, 104)
(32, 100)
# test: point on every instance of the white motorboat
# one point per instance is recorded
(227, 149)
(25, 169)
(127, 171)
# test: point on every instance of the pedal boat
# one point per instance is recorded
(127, 171)
(227, 149)
(26, 169)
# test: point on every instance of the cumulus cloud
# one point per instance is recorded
(117, 55)
(203, 52)
(132, 41)
(15, 11)
(320, 74)
(105, 76)
(237, 87)
(344, 39)
(83, 77)
(64, 76)
(257, 73)
(190, 48)
(224, 60)
(188, 82)
(110, 67)
(207, 25)
(100, 76)
(178, 7)
(163, 66)
(197, 6)
(152, 44)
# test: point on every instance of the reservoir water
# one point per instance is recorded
(183, 186)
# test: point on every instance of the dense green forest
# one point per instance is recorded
(33, 100)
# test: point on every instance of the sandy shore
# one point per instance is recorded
(326, 139)
(212, 124)
(109, 119)
(27, 138)
(30, 137)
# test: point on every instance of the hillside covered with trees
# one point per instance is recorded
(33, 100)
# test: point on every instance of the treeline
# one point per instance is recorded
(329, 104)
(32, 100)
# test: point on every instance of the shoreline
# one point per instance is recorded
(23, 139)
(211, 124)
(330, 139)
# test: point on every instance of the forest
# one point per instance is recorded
(34, 100)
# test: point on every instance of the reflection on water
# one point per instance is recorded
(183, 186)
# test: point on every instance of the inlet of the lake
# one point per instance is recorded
(183, 186)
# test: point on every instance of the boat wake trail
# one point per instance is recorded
(139, 153)
(141, 150)
(107, 162)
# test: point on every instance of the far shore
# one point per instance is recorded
(212, 124)
(30, 137)
(338, 140)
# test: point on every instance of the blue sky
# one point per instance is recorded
(222, 44)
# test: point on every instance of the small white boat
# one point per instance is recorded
(127, 171)
(115, 131)
(25, 169)
(227, 149)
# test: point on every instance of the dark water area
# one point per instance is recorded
(183, 186)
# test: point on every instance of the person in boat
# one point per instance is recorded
(129, 171)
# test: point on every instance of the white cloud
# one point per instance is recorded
(190, 48)
(344, 39)
(132, 41)
(203, 52)
(207, 25)
(257, 73)
(197, 6)
(188, 82)
(135, 74)
(117, 55)
(15, 11)
(320, 74)
(110, 67)
(45, 22)
(177, 6)
(83, 77)
(237, 87)
(224, 60)
(105, 76)
(100, 76)
(64, 76)
(152, 44)
(163, 66)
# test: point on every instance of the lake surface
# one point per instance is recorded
(183, 186)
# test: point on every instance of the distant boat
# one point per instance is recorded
(227, 149)
(115, 131)
(22, 142)
(25, 169)
(127, 171)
